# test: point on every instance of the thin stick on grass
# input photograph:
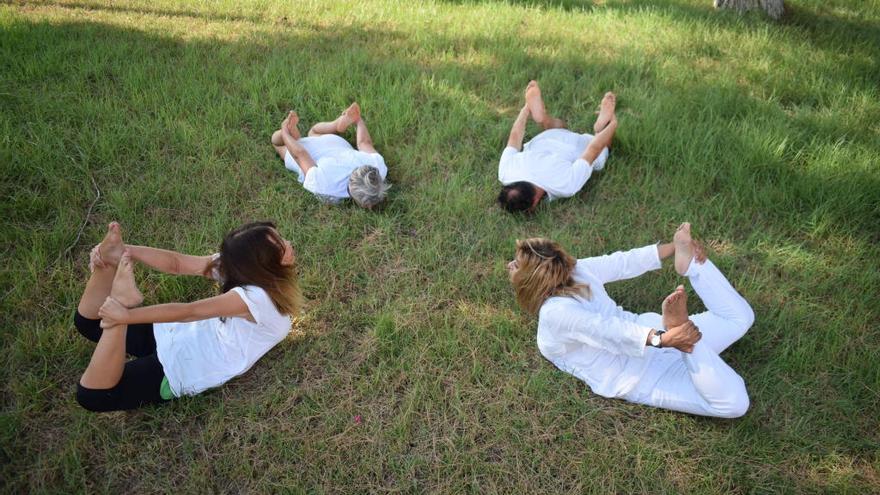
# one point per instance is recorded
(82, 226)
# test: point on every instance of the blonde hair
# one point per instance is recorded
(544, 270)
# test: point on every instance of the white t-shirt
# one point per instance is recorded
(335, 160)
(203, 354)
(551, 161)
(595, 339)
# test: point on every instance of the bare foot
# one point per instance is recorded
(290, 124)
(351, 115)
(606, 111)
(110, 249)
(535, 102)
(684, 249)
(675, 311)
(124, 288)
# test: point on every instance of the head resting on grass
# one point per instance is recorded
(256, 254)
(542, 269)
(366, 187)
(518, 196)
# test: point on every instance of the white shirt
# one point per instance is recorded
(204, 354)
(549, 161)
(335, 160)
(596, 340)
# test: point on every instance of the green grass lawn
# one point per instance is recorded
(158, 114)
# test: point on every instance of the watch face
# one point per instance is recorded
(655, 341)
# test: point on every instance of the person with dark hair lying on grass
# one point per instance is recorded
(557, 162)
(327, 166)
(183, 348)
(670, 360)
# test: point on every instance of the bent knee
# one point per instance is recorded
(736, 405)
(94, 400)
(744, 319)
(738, 409)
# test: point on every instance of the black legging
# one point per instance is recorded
(141, 377)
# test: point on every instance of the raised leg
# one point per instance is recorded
(537, 109)
(290, 123)
(606, 112)
(291, 145)
(729, 315)
(108, 360)
(102, 273)
(349, 116)
(599, 143)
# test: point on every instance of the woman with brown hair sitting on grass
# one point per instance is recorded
(670, 361)
(183, 348)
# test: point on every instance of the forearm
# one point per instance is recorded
(170, 261)
(363, 135)
(665, 250)
(160, 259)
(518, 131)
(163, 313)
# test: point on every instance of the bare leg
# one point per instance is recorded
(600, 141)
(606, 111)
(278, 139)
(535, 102)
(675, 308)
(108, 360)
(100, 281)
(351, 115)
(292, 145)
(364, 141)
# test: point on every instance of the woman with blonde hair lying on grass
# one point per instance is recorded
(183, 348)
(327, 166)
(667, 361)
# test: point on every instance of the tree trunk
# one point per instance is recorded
(774, 8)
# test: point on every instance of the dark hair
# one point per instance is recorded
(518, 196)
(252, 255)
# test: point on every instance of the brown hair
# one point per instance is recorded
(251, 255)
(544, 270)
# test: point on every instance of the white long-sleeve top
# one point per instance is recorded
(595, 339)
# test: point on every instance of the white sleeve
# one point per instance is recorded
(623, 264)
(578, 175)
(508, 153)
(376, 160)
(255, 299)
(615, 335)
(313, 180)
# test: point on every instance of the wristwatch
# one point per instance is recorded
(655, 339)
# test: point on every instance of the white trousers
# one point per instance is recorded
(701, 382)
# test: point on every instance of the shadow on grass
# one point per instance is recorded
(320, 72)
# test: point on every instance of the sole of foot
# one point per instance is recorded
(535, 102)
(111, 246)
(124, 288)
(606, 111)
(684, 251)
(351, 115)
(675, 308)
(291, 123)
